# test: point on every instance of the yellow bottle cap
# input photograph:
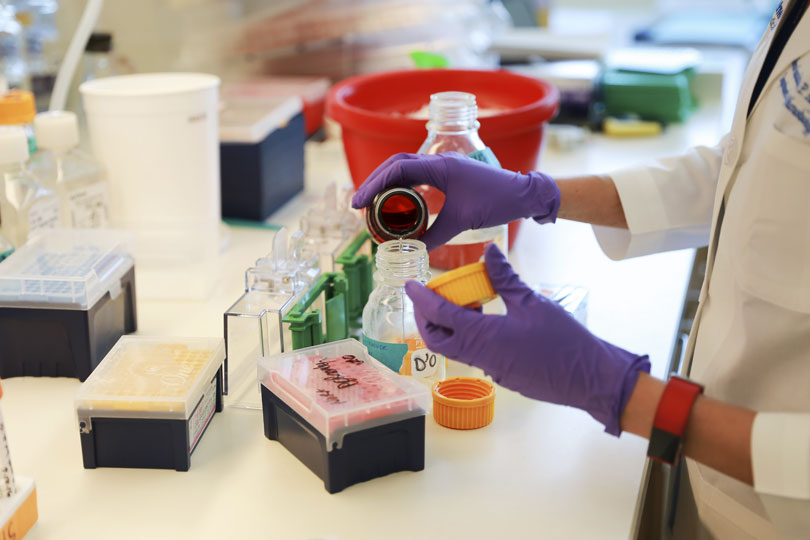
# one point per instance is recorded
(464, 403)
(17, 107)
(467, 286)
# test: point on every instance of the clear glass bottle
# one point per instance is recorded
(74, 175)
(25, 205)
(453, 127)
(389, 326)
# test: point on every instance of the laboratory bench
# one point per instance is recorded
(538, 471)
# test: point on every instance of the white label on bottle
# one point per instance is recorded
(88, 206)
(202, 414)
(425, 363)
(44, 214)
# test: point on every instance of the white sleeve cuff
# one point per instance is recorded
(649, 230)
(641, 200)
(780, 454)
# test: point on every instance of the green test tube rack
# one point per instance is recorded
(306, 325)
(359, 271)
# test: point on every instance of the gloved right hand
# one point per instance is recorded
(537, 348)
(477, 195)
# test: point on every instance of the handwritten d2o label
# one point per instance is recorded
(425, 363)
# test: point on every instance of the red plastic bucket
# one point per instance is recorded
(372, 111)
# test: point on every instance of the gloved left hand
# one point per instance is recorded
(537, 348)
(477, 195)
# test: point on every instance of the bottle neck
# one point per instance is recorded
(453, 112)
(401, 260)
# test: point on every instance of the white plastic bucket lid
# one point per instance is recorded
(146, 93)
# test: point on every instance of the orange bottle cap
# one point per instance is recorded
(464, 402)
(17, 107)
(466, 286)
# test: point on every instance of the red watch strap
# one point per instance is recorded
(676, 403)
(671, 418)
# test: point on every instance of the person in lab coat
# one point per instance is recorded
(748, 437)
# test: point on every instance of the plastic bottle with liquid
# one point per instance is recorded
(25, 205)
(389, 327)
(453, 127)
(17, 108)
(73, 174)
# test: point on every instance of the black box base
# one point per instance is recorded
(257, 179)
(365, 454)
(141, 443)
(54, 342)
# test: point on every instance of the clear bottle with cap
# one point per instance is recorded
(453, 127)
(17, 108)
(76, 177)
(389, 327)
(25, 205)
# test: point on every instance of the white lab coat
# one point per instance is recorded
(750, 343)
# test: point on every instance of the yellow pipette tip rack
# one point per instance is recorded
(467, 286)
(464, 403)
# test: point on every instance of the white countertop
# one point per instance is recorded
(538, 470)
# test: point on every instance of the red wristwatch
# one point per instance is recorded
(671, 418)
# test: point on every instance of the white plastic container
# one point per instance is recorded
(156, 135)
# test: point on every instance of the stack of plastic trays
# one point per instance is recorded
(66, 297)
(338, 236)
(253, 324)
(344, 414)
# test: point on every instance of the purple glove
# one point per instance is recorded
(537, 349)
(477, 195)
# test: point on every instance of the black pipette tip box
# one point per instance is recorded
(261, 157)
(65, 298)
(366, 454)
(149, 403)
(342, 413)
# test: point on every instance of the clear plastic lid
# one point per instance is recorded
(250, 122)
(331, 228)
(272, 287)
(335, 218)
(287, 269)
(150, 377)
(66, 267)
(339, 388)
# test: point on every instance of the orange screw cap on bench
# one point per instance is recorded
(464, 402)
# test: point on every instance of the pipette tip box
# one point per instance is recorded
(343, 414)
(18, 513)
(261, 157)
(66, 297)
(149, 402)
